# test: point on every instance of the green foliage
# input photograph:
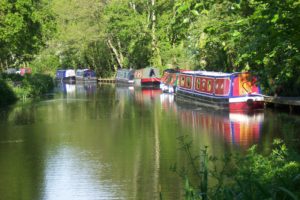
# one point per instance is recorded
(24, 28)
(29, 86)
(248, 35)
(7, 94)
(46, 62)
(37, 84)
(127, 29)
(250, 176)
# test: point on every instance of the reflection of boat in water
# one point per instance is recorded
(66, 88)
(168, 103)
(236, 128)
(86, 87)
(147, 95)
(124, 92)
(71, 90)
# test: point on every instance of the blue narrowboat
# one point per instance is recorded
(86, 75)
(65, 75)
(125, 76)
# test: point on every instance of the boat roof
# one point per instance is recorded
(211, 73)
(65, 70)
(125, 69)
(83, 70)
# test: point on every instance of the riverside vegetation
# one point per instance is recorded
(15, 86)
(260, 36)
(250, 176)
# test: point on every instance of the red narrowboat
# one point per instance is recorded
(233, 91)
(147, 77)
(169, 80)
(24, 70)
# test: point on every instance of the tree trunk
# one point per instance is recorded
(120, 51)
(115, 53)
(155, 50)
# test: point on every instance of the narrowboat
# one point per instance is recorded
(231, 91)
(24, 70)
(125, 76)
(169, 80)
(147, 77)
(86, 75)
(66, 75)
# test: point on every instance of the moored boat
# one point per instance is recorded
(65, 75)
(125, 76)
(86, 75)
(169, 80)
(233, 91)
(147, 77)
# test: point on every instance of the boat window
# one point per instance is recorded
(198, 84)
(188, 82)
(209, 85)
(182, 80)
(152, 72)
(203, 84)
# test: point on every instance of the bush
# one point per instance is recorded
(7, 95)
(37, 84)
(251, 176)
(28, 86)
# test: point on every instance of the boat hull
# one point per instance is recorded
(67, 79)
(249, 103)
(150, 82)
(86, 79)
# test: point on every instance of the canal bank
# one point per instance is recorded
(291, 104)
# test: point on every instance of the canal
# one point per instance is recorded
(112, 142)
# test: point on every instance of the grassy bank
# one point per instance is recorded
(14, 87)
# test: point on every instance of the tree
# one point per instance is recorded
(25, 26)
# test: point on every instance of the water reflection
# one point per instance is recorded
(242, 129)
(67, 89)
(146, 96)
(107, 142)
(239, 129)
(88, 88)
(73, 175)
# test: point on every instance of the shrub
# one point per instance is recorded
(251, 176)
(37, 84)
(7, 95)
(28, 86)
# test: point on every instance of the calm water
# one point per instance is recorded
(107, 142)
